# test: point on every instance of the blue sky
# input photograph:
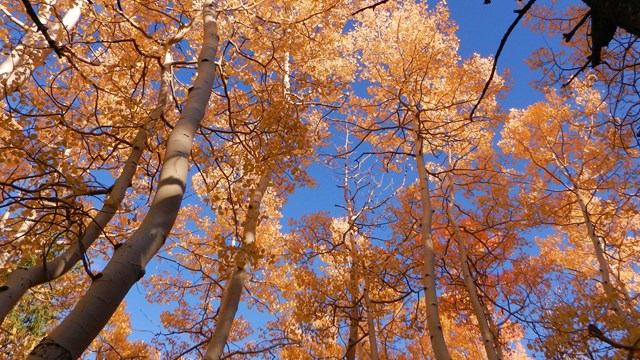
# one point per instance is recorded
(481, 27)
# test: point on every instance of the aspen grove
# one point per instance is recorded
(315, 179)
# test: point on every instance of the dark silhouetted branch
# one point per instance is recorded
(373, 6)
(43, 29)
(521, 14)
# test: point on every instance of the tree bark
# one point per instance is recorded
(485, 331)
(354, 312)
(371, 327)
(20, 280)
(95, 308)
(436, 334)
(232, 294)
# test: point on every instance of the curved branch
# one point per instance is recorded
(515, 22)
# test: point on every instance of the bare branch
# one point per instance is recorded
(521, 14)
(43, 29)
(373, 6)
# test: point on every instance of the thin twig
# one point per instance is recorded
(574, 76)
(521, 14)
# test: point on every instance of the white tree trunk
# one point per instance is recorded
(76, 332)
(489, 342)
(354, 312)
(368, 307)
(440, 350)
(611, 294)
(232, 294)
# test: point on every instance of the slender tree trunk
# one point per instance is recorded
(354, 281)
(28, 55)
(371, 327)
(76, 332)
(20, 280)
(610, 292)
(354, 312)
(495, 331)
(434, 326)
(233, 292)
(469, 283)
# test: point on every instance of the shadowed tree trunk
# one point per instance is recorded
(76, 332)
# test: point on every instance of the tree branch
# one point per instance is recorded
(568, 36)
(373, 6)
(43, 29)
(521, 14)
(598, 334)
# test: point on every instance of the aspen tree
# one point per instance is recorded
(420, 89)
(20, 280)
(434, 325)
(233, 291)
(490, 344)
(579, 176)
(82, 325)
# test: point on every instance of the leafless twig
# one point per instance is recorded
(373, 6)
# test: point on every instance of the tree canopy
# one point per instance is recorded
(173, 148)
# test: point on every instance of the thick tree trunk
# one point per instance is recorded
(20, 280)
(622, 13)
(436, 334)
(95, 308)
(233, 292)
(485, 331)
